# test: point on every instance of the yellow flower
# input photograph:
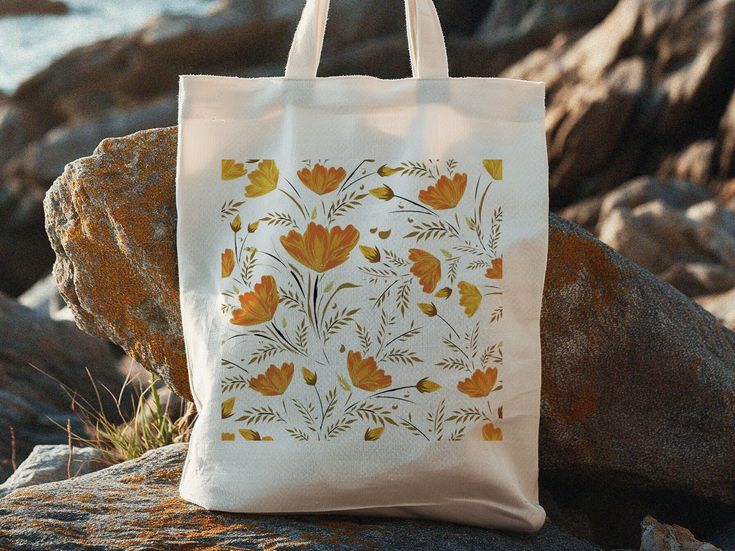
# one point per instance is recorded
(253, 435)
(274, 381)
(444, 292)
(428, 308)
(228, 262)
(264, 180)
(322, 180)
(373, 434)
(491, 432)
(496, 269)
(426, 385)
(469, 297)
(385, 171)
(259, 305)
(494, 168)
(446, 193)
(383, 193)
(228, 407)
(236, 224)
(309, 376)
(253, 226)
(321, 249)
(426, 267)
(232, 170)
(480, 383)
(365, 373)
(371, 253)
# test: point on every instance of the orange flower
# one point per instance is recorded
(274, 381)
(495, 271)
(259, 305)
(426, 267)
(228, 262)
(365, 373)
(321, 179)
(494, 168)
(469, 297)
(491, 432)
(232, 169)
(321, 249)
(446, 193)
(480, 384)
(264, 180)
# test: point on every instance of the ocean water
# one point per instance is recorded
(29, 43)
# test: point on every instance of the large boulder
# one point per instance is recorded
(45, 367)
(135, 505)
(652, 78)
(638, 381)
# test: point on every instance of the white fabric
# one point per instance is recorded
(330, 193)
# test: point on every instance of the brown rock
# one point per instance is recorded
(634, 92)
(611, 332)
(37, 7)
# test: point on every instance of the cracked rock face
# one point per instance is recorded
(638, 384)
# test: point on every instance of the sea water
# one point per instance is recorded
(28, 43)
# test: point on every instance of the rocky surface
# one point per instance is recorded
(33, 7)
(661, 537)
(135, 505)
(38, 356)
(611, 332)
(51, 463)
(652, 78)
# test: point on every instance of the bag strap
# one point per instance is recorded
(425, 41)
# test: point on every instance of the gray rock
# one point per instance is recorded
(50, 463)
(662, 537)
(39, 357)
(45, 299)
(135, 505)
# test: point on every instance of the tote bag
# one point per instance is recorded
(361, 266)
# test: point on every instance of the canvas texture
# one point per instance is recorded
(361, 266)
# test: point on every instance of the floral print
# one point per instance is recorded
(319, 248)
(259, 305)
(385, 299)
(320, 179)
(274, 381)
(446, 193)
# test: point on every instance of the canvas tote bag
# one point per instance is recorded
(361, 265)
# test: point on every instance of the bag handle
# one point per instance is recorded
(425, 41)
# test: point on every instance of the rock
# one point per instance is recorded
(45, 299)
(649, 78)
(43, 160)
(662, 537)
(122, 293)
(535, 23)
(585, 213)
(611, 332)
(49, 463)
(135, 505)
(38, 357)
(693, 164)
(33, 7)
(677, 194)
(699, 278)
(727, 141)
(674, 229)
(721, 305)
